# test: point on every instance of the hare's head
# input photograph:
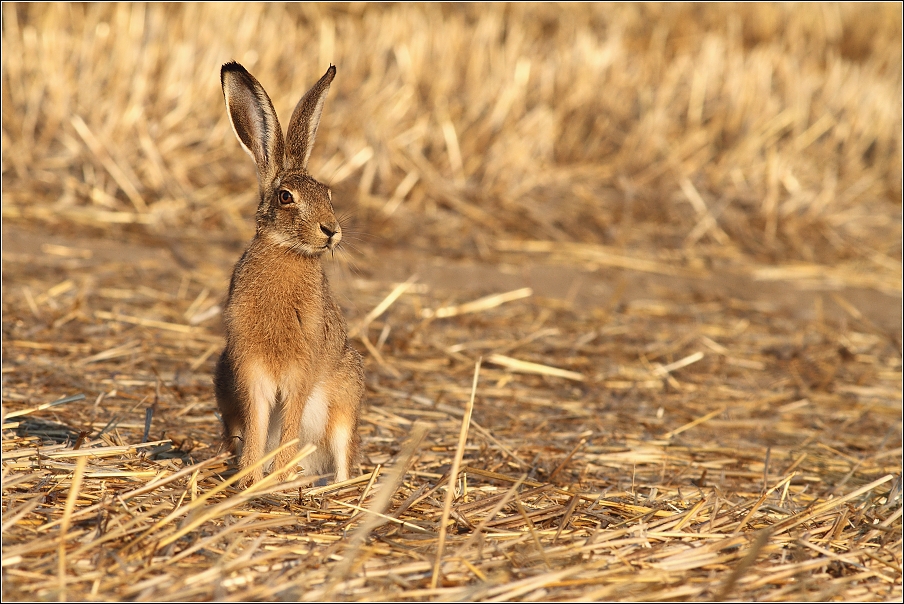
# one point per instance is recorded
(295, 210)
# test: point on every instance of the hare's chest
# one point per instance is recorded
(283, 323)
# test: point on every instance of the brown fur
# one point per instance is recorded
(287, 369)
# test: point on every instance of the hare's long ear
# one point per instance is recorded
(253, 120)
(304, 122)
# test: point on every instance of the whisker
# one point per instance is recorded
(346, 261)
(346, 266)
(361, 234)
(356, 244)
(355, 248)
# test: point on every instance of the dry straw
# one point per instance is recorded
(640, 432)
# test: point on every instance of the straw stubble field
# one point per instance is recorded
(627, 281)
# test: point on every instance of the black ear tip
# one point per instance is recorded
(232, 66)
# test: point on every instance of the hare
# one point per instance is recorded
(287, 369)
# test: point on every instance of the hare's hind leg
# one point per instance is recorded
(228, 404)
(346, 389)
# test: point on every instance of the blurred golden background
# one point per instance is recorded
(747, 132)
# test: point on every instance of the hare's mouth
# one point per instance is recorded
(330, 245)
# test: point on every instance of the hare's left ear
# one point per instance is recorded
(304, 122)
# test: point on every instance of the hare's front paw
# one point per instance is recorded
(281, 465)
(256, 476)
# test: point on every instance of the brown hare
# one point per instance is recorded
(287, 369)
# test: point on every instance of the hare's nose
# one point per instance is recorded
(332, 231)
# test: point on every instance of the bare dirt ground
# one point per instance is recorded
(695, 393)
(580, 287)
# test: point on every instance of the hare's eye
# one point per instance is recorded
(285, 197)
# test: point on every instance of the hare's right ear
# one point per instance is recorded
(305, 121)
(253, 120)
